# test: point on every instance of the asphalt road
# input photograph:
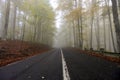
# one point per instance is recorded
(48, 66)
(85, 67)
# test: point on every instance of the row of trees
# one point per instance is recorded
(28, 20)
(91, 24)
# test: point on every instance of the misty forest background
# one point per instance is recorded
(90, 24)
(27, 20)
(84, 24)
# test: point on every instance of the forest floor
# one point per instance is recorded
(11, 51)
(112, 58)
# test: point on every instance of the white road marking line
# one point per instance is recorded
(65, 69)
(43, 77)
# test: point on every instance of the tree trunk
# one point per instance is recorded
(119, 4)
(92, 21)
(35, 29)
(18, 20)
(79, 43)
(81, 32)
(98, 33)
(74, 34)
(110, 22)
(24, 24)
(14, 21)
(104, 33)
(23, 33)
(116, 22)
(6, 20)
(81, 23)
(91, 34)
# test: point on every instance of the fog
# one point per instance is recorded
(61, 23)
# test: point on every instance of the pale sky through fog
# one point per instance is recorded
(54, 5)
(58, 13)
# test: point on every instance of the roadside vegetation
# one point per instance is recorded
(15, 50)
(91, 25)
(26, 28)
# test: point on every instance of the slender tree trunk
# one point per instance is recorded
(35, 30)
(78, 26)
(38, 31)
(116, 22)
(79, 43)
(92, 21)
(18, 20)
(119, 4)
(81, 24)
(70, 39)
(74, 35)
(34, 37)
(41, 33)
(1, 18)
(98, 34)
(110, 22)
(6, 20)
(110, 41)
(91, 34)
(81, 32)
(14, 21)
(23, 33)
(104, 33)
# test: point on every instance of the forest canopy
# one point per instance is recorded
(90, 24)
(27, 20)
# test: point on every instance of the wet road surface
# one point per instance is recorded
(48, 66)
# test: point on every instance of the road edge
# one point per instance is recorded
(64, 66)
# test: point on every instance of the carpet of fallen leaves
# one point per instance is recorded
(11, 51)
(101, 55)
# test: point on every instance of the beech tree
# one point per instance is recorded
(90, 23)
(31, 20)
(116, 21)
(6, 19)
